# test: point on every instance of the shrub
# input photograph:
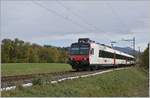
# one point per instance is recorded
(37, 81)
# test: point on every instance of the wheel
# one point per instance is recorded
(77, 69)
(92, 68)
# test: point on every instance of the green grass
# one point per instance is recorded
(29, 68)
(127, 82)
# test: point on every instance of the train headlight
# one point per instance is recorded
(84, 58)
(70, 59)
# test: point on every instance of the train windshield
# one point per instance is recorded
(79, 49)
(84, 50)
(74, 50)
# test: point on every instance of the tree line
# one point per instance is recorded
(144, 59)
(18, 51)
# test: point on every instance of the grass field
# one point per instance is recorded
(28, 68)
(127, 82)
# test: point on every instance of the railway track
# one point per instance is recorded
(8, 81)
(29, 76)
(16, 78)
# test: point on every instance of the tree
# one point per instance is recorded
(145, 58)
(32, 56)
(7, 50)
(18, 51)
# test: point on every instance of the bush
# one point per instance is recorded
(19, 87)
(18, 51)
(37, 81)
(145, 59)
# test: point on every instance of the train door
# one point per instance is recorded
(114, 58)
(94, 54)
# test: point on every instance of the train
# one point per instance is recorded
(89, 55)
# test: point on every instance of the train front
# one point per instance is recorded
(79, 55)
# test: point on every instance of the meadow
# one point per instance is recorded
(8, 69)
(126, 82)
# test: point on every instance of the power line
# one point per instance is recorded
(133, 43)
(62, 16)
(77, 15)
(68, 19)
(83, 19)
(116, 15)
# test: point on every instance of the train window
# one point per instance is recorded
(84, 50)
(129, 58)
(118, 56)
(101, 53)
(108, 55)
(105, 54)
(121, 57)
(92, 51)
(111, 55)
(74, 50)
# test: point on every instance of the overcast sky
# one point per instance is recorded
(60, 23)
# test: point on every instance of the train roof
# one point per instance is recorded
(87, 40)
(116, 51)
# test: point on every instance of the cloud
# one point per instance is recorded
(99, 20)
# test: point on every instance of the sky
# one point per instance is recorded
(61, 23)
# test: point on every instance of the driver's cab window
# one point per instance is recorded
(92, 51)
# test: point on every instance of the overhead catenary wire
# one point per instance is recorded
(62, 16)
(95, 28)
(77, 15)
(86, 30)
(117, 17)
